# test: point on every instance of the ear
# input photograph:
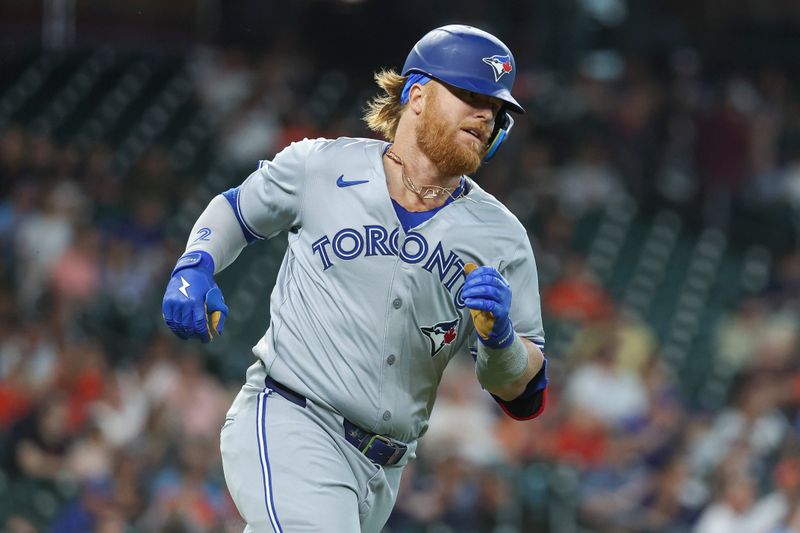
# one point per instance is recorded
(416, 97)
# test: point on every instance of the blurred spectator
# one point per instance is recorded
(12, 158)
(551, 245)
(250, 134)
(537, 185)
(731, 510)
(197, 403)
(603, 387)
(122, 413)
(19, 524)
(76, 274)
(610, 492)
(38, 444)
(223, 79)
(41, 239)
(789, 144)
(91, 457)
(784, 289)
(654, 435)
(447, 495)
(768, 123)
(756, 335)
(636, 132)
(577, 295)
(152, 183)
(634, 341)
(461, 422)
(94, 510)
(739, 334)
(777, 510)
(29, 360)
(754, 420)
(82, 375)
(187, 496)
(588, 182)
(581, 439)
(159, 369)
(723, 151)
(126, 276)
(674, 501)
(145, 229)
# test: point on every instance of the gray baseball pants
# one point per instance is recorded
(289, 468)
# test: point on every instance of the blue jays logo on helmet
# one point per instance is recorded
(441, 334)
(501, 65)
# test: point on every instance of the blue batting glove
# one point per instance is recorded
(193, 305)
(488, 297)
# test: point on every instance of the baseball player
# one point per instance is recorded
(397, 262)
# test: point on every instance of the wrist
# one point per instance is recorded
(196, 259)
(499, 367)
(502, 339)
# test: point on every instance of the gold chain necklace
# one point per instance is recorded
(426, 192)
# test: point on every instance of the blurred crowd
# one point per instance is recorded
(105, 422)
(108, 424)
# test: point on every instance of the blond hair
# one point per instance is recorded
(383, 110)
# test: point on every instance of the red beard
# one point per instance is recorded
(436, 139)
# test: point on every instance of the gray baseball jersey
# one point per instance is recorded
(366, 316)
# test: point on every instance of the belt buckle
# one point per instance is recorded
(371, 441)
(398, 449)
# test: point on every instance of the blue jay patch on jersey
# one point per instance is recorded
(501, 65)
(441, 334)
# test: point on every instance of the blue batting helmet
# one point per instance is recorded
(467, 58)
(473, 60)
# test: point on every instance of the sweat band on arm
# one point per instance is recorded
(499, 367)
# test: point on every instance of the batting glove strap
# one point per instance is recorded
(198, 259)
(502, 338)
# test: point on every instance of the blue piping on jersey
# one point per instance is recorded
(266, 472)
(232, 195)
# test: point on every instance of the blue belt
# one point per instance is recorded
(379, 449)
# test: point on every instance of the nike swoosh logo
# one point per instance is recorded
(342, 183)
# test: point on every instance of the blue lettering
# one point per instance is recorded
(358, 244)
(437, 260)
(376, 241)
(458, 300)
(319, 247)
(204, 234)
(459, 274)
(394, 237)
(422, 248)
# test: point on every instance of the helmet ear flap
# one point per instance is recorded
(502, 127)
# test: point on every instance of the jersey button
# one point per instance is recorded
(387, 416)
(397, 303)
(390, 360)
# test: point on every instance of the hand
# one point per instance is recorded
(488, 297)
(193, 305)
